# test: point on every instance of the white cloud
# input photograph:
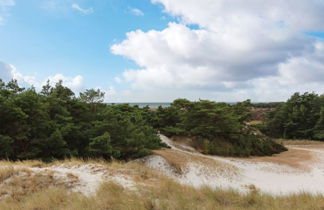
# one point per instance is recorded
(308, 68)
(4, 9)
(76, 84)
(240, 46)
(7, 3)
(8, 72)
(57, 6)
(84, 11)
(137, 12)
(110, 94)
(117, 80)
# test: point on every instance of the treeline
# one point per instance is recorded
(301, 117)
(216, 128)
(56, 124)
(267, 104)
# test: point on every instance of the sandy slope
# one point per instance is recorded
(84, 178)
(301, 169)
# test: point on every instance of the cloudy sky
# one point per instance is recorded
(159, 50)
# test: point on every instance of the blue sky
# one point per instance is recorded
(41, 41)
(160, 50)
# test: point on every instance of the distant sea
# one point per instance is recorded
(151, 105)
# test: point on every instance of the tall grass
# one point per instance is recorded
(168, 195)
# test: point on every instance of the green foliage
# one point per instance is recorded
(6, 149)
(54, 124)
(92, 96)
(53, 146)
(218, 128)
(267, 105)
(301, 117)
(101, 146)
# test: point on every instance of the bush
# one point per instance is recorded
(220, 128)
(55, 124)
(301, 117)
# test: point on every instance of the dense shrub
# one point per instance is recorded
(56, 124)
(301, 117)
(218, 128)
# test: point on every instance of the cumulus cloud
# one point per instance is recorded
(238, 46)
(304, 69)
(4, 9)
(111, 94)
(294, 14)
(76, 84)
(83, 11)
(8, 72)
(137, 12)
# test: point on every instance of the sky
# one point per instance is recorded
(160, 50)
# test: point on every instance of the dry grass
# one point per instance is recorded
(183, 140)
(166, 194)
(314, 146)
(18, 183)
(181, 160)
(155, 191)
(41, 164)
(298, 159)
(255, 122)
(26, 163)
(298, 142)
(6, 173)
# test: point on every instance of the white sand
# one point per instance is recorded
(269, 177)
(88, 177)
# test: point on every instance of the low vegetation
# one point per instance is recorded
(154, 191)
(217, 128)
(268, 105)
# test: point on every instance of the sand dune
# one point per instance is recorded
(300, 169)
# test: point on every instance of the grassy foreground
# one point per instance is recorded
(154, 191)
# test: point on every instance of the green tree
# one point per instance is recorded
(319, 127)
(298, 118)
(14, 87)
(6, 147)
(92, 97)
(216, 128)
(54, 146)
(46, 89)
(100, 146)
